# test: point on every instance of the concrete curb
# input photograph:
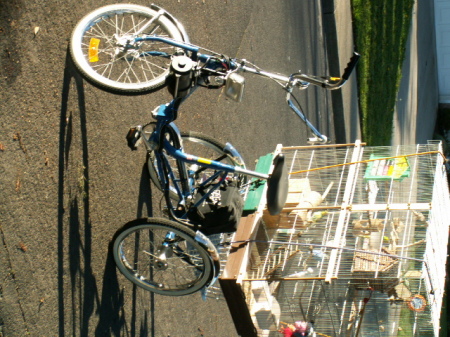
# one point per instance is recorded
(331, 38)
(338, 34)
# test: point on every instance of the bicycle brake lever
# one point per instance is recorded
(134, 138)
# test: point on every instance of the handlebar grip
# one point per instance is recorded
(350, 66)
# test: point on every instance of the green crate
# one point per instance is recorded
(256, 190)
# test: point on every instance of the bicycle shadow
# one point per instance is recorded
(79, 300)
(83, 289)
(111, 312)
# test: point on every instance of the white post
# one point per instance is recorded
(343, 214)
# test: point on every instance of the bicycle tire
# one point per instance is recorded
(96, 51)
(193, 143)
(186, 269)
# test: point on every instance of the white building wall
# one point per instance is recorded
(442, 22)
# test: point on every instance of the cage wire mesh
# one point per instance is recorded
(360, 247)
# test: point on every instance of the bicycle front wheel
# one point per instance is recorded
(103, 48)
(162, 256)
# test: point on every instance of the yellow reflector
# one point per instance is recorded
(93, 50)
(204, 161)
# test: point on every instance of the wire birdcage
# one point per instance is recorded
(360, 248)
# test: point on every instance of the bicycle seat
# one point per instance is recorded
(277, 186)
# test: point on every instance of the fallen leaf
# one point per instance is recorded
(18, 137)
(22, 247)
(18, 184)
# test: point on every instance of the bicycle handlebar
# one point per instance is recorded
(242, 65)
(221, 67)
(325, 83)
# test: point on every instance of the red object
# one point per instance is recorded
(287, 332)
(300, 328)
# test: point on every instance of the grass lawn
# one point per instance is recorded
(381, 29)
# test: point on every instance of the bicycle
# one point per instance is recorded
(203, 194)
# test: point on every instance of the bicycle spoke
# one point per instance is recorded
(152, 32)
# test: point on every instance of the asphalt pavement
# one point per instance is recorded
(68, 181)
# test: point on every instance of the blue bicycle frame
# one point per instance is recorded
(184, 184)
(187, 76)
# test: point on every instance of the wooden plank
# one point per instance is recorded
(237, 250)
(232, 291)
(309, 147)
(425, 206)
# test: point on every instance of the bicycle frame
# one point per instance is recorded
(186, 190)
(184, 187)
(189, 193)
(187, 76)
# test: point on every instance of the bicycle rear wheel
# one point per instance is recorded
(162, 256)
(103, 48)
(197, 144)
